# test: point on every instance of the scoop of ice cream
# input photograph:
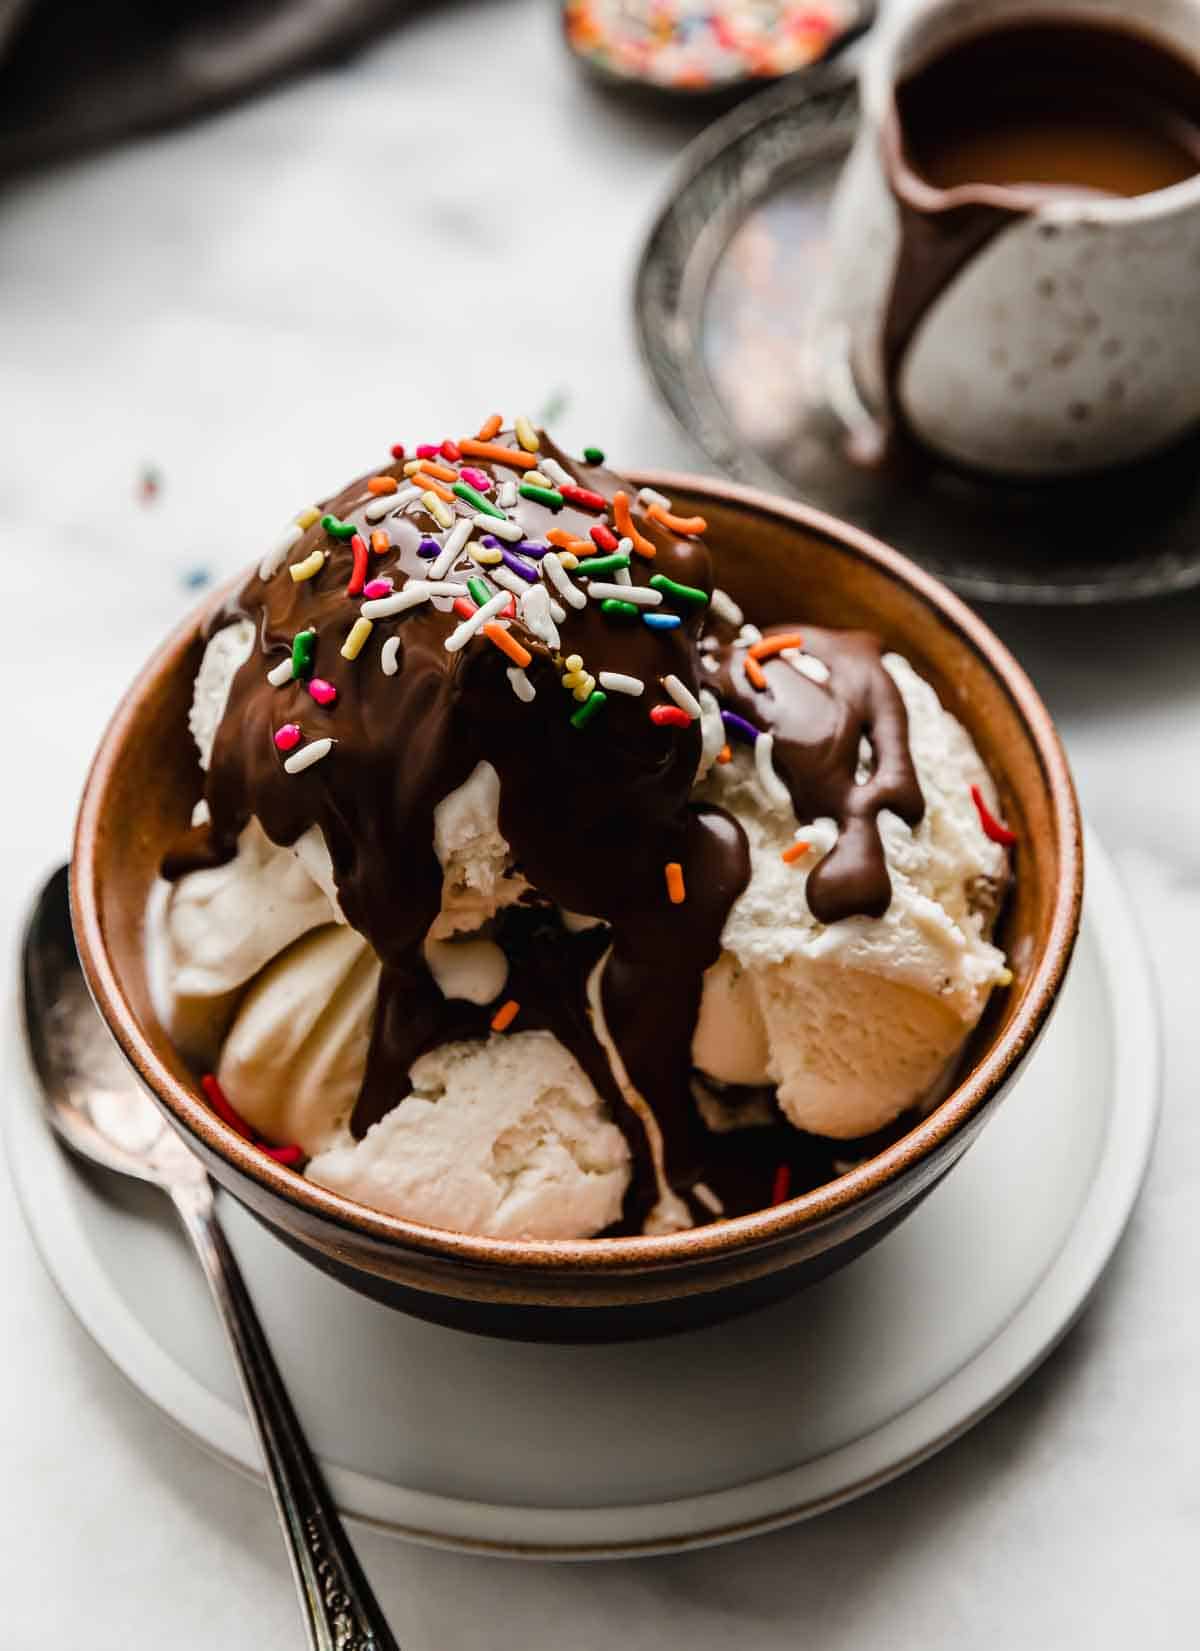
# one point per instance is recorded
(858, 1020)
(506, 1138)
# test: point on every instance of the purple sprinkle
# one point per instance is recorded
(739, 726)
(530, 547)
(428, 547)
(518, 566)
(489, 541)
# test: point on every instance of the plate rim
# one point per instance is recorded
(751, 1508)
(825, 82)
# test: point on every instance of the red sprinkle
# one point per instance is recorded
(583, 497)
(782, 1184)
(604, 536)
(450, 450)
(217, 1099)
(358, 576)
(428, 450)
(991, 825)
(287, 738)
(322, 691)
(284, 1155)
(398, 450)
(670, 716)
(464, 607)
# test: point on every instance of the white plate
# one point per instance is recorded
(576, 1452)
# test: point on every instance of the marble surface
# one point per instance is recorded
(254, 306)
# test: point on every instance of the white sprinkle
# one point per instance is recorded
(622, 576)
(387, 656)
(521, 685)
(683, 696)
(507, 495)
(384, 506)
(777, 793)
(557, 612)
(808, 665)
(555, 472)
(451, 549)
(281, 673)
(615, 682)
(462, 634)
(201, 814)
(706, 1196)
(646, 496)
(642, 595)
(415, 592)
(307, 755)
(533, 610)
(625, 547)
(553, 570)
(510, 580)
(724, 606)
(749, 635)
(512, 531)
(274, 559)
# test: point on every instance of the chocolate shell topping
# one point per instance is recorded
(595, 786)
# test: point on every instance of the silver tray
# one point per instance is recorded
(720, 309)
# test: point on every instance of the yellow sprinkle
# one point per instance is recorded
(526, 435)
(488, 557)
(568, 559)
(1004, 978)
(573, 662)
(573, 679)
(308, 567)
(306, 518)
(536, 479)
(356, 641)
(435, 507)
(584, 690)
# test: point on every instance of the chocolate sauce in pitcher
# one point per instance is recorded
(987, 131)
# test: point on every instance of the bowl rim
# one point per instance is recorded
(636, 1253)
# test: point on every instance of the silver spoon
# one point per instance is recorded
(95, 1105)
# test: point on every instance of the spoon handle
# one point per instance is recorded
(341, 1612)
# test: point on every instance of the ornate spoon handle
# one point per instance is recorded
(340, 1609)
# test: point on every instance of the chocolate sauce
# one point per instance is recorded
(592, 815)
(987, 131)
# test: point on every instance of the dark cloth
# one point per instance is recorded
(78, 73)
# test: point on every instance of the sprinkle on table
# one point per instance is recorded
(505, 1015)
(308, 568)
(992, 828)
(359, 632)
(591, 707)
(676, 892)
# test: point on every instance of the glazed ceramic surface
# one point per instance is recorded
(1071, 341)
(777, 560)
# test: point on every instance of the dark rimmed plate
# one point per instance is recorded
(720, 311)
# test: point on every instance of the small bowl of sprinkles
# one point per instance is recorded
(708, 48)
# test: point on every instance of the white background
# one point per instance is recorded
(258, 306)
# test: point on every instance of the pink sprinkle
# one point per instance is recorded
(477, 479)
(287, 737)
(398, 450)
(428, 450)
(377, 587)
(322, 691)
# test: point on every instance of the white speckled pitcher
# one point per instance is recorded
(1071, 339)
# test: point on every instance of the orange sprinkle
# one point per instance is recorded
(513, 458)
(489, 428)
(724, 754)
(676, 893)
(625, 527)
(426, 481)
(686, 526)
(771, 645)
(794, 851)
(380, 541)
(559, 537)
(381, 484)
(505, 1015)
(443, 472)
(755, 672)
(507, 643)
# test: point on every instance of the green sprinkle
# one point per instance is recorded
(479, 591)
(603, 564)
(682, 593)
(543, 495)
(611, 605)
(304, 649)
(338, 530)
(596, 701)
(473, 496)
(593, 455)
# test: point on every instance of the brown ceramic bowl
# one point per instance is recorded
(777, 559)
